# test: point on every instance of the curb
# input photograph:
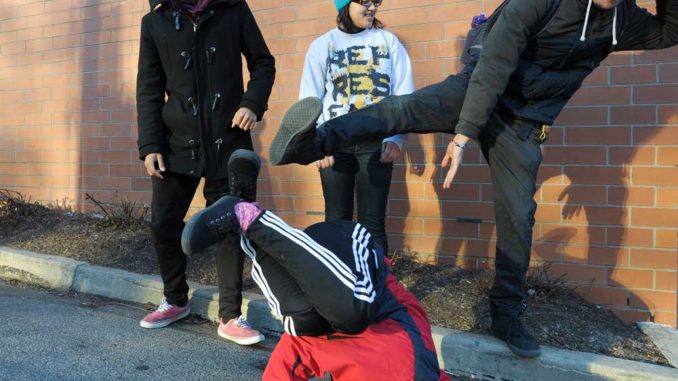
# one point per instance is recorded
(665, 338)
(487, 358)
(465, 354)
(44, 270)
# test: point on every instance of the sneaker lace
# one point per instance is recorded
(223, 221)
(164, 306)
(242, 323)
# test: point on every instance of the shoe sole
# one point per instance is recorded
(242, 341)
(250, 157)
(523, 352)
(163, 323)
(245, 154)
(188, 230)
(301, 117)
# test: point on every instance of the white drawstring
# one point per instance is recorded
(614, 27)
(586, 21)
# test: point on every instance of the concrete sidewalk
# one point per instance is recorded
(461, 353)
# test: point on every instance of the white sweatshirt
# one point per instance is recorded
(350, 71)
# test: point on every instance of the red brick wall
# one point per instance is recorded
(608, 187)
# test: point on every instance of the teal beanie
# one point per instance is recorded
(341, 3)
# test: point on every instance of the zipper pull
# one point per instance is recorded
(215, 101)
(187, 59)
(218, 143)
(177, 20)
(195, 107)
(210, 54)
(194, 153)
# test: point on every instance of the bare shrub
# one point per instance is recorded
(16, 204)
(120, 213)
(539, 282)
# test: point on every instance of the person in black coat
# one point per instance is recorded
(192, 114)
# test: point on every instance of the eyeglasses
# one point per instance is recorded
(368, 3)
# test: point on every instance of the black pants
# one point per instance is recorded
(511, 147)
(171, 199)
(357, 170)
(326, 279)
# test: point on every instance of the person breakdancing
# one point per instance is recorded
(343, 311)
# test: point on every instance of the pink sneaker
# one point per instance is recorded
(239, 331)
(165, 315)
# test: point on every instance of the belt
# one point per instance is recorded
(533, 128)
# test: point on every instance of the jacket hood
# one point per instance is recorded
(155, 3)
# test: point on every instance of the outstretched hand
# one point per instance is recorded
(454, 155)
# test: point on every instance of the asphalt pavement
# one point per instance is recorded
(47, 335)
(92, 339)
(52, 335)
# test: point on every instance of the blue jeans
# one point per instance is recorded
(357, 170)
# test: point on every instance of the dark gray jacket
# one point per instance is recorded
(190, 84)
(532, 73)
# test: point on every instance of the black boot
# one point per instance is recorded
(294, 141)
(243, 170)
(506, 326)
(210, 225)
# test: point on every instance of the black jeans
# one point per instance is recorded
(434, 108)
(171, 199)
(357, 170)
(510, 145)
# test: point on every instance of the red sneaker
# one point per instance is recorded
(239, 331)
(165, 315)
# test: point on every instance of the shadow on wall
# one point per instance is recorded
(466, 210)
(600, 197)
(104, 115)
(602, 194)
(407, 182)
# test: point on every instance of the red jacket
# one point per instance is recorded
(397, 348)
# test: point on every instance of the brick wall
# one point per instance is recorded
(608, 187)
